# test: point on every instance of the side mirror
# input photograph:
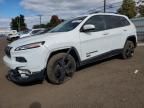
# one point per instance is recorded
(88, 27)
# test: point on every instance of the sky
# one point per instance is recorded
(32, 8)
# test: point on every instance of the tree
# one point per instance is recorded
(141, 10)
(54, 21)
(39, 26)
(18, 23)
(13, 24)
(128, 8)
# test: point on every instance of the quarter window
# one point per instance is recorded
(124, 21)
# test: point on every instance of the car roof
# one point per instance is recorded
(114, 14)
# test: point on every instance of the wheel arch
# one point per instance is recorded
(73, 53)
(133, 39)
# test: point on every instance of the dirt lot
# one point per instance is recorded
(109, 84)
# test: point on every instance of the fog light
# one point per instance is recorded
(24, 73)
(21, 59)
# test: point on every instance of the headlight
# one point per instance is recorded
(30, 46)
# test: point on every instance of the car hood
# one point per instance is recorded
(37, 38)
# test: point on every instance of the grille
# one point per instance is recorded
(7, 51)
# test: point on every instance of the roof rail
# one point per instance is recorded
(102, 12)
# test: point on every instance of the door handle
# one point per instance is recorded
(124, 30)
(106, 34)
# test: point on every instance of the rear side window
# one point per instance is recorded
(115, 21)
(97, 21)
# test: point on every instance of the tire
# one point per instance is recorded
(128, 50)
(56, 73)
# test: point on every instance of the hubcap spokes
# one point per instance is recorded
(63, 68)
(130, 51)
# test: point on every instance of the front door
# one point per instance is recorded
(94, 42)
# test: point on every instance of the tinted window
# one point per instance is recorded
(98, 22)
(124, 21)
(68, 25)
(115, 21)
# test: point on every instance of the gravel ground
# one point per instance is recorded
(113, 83)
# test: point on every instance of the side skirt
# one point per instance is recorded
(101, 57)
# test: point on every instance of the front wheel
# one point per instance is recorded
(60, 67)
(128, 50)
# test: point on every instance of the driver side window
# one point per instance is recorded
(98, 22)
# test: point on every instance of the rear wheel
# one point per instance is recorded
(128, 50)
(60, 67)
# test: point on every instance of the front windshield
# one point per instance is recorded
(68, 25)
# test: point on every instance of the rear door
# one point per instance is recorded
(117, 28)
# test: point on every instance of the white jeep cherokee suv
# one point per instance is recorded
(58, 53)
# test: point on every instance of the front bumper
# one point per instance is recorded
(16, 77)
(29, 70)
(35, 59)
(12, 64)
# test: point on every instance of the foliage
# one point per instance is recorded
(18, 23)
(54, 21)
(141, 10)
(128, 8)
(39, 26)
